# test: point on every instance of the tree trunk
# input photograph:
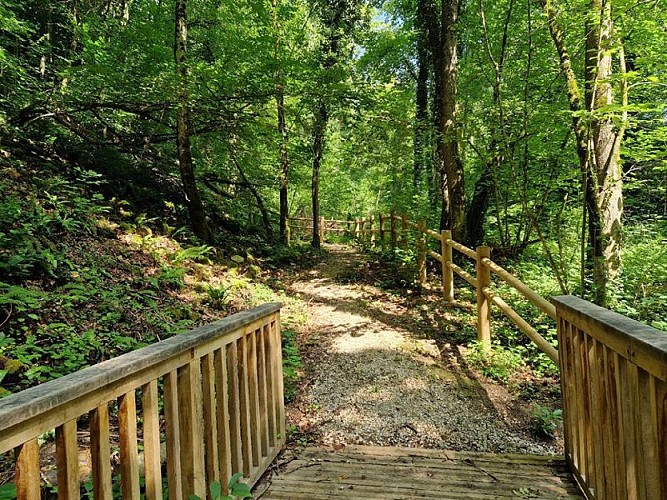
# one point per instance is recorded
(192, 197)
(605, 176)
(434, 31)
(282, 129)
(598, 148)
(321, 120)
(421, 99)
(452, 166)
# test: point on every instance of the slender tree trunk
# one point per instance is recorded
(282, 129)
(452, 165)
(321, 120)
(421, 99)
(192, 197)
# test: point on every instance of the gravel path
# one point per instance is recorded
(372, 381)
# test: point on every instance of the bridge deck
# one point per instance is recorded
(404, 473)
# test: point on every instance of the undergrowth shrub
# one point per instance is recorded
(496, 362)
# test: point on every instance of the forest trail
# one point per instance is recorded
(378, 373)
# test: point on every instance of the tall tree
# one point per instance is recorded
(452, 174)
(598, 139)
(192, 197)
(282, 127)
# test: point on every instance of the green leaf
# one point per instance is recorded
(216, 490)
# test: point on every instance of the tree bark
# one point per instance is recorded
(453, 176)
(192, 198)
(598, 144)
(421, 99)
(282, 129)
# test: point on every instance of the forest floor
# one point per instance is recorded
(386, 367)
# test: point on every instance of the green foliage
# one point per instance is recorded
(545, 421)
(494, 362)
(292, 364)
(236, 488)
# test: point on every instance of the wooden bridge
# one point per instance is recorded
(209, 403)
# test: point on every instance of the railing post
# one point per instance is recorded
(483, 306)
(393, 230)
(357, 229)
(381, 217)
(447, 272)
(404, 232)
(421, 252)
(323, 230)
(372, 230)
(288, 232)
(363, 231)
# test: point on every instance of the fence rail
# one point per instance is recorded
(222, 394)
(613, 371)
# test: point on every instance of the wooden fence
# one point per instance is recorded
(304, 226)
(613, 369)
(614, 386)
(221, 392)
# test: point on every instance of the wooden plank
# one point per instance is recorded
(244, 405)
(579, 445)
(597, 450)
(643, 345)
(483, 306)
(648, 438)
(253, 393)
(211, 432)
(171, 418)
(43, 407)
(618, 434)
(233, 372)
(661, 420)
(129, 450)
(628, 391)
(271, 387)
(277, 357)
(27, 470)
(605, 421)
(67, 455)
(151, 435)
(222, 392)
(191, 436)
(263, 390)
(100, 452)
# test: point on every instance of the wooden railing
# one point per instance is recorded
(400, 230)
(304, 225)
(613, 370)
(614, 386)
(216, 392)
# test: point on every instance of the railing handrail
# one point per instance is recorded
(643, 345)
(17, 408)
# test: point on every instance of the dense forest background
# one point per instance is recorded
(536, 127)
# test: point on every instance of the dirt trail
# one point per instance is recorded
(374, 378)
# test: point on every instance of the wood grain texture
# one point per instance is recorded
(190, 430)
(171, 419)
(129, 451)
(151, 435)
(396, 473)
(211, 432)
(67, 455)
(27, 471)
(100, 452)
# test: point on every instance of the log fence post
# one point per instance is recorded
(393, 230)
(382, 219)
(483, 306)
(323, 229)
(372, 230)
(421, 251)
(404, 232)
(357, 229)
(447, 272)
(288, 232)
